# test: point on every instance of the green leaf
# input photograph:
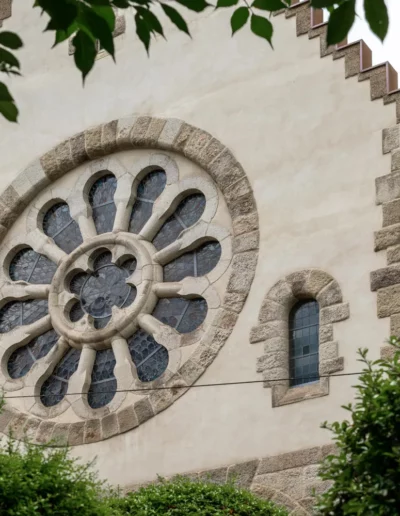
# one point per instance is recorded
(107, 13)
(340, 22)
(262, 27)
(377, 16)
(226, 3)
(151, 20)
(10, 40)
(62, 13)
(175, 18)
(9, 110)
(9, 58)
(194, 5)
(143, 31)
(85, 52)
(89, 21)
(239, 19)
(321, 4)
(5, 95)
(62, 35)
(269, 5)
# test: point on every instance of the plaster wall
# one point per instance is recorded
(310, 143)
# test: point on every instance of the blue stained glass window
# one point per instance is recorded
(185, 315)
(21, 313)
(149, 189)
(104, 384)
(101, 198)
(62, 228)
(150, 358)
(55, 387)
(32, 267)
(304, 342)
(195, 263)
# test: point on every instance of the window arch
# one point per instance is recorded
(304, 343)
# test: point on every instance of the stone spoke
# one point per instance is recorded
(124, 199)
(162, 333)
(43, 244)
(13, 291)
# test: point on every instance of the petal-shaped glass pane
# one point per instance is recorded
(77, 282)
(185, 315)
(150, 358)
(148, 191)
(21, 361)
(186, 214)
(195, 263)
(62, 228)
(32, 267)
(55, 387)
(101, 198)
(20, 313)
(103, 385)
(76, 313)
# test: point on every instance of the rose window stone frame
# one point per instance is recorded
(224, 288)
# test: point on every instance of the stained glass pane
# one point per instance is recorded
(62, 228)
(148, 191)
(77, 282)
(21, 361)
(185, 315)
(150, 358)
(104, 258)
(186, 214)
(55, 387)
(103, 385)
(76, 313)
(101, 198)
(195, 263)
(304, 343)
(29, 266)
(20, 313)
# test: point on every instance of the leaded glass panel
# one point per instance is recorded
(76, 313)
(185, 315)
(150, 358)
(304, 343)
(148, 191)
(186, 214)
(20, 313)
(104, 384)
(55, 387)
(32, 267)
(62, 228)
(195, 263)
(22, 359)
(101, 198)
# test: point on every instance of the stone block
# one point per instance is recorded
(316, 281)
(387, 237)
(242, 205)
(194, 146)
(153, 132)
(262, 491)
(297, 281)
(124, 128)
(282, 293)
(162, 399)
(334, 313)
(49, 164)
(24, 188)
(234, 301)
(169, 133)
(215, 476)
(7, 216)
(36, 176)
(328, 449)
(276, 344)
(64, 158)
(393, 255)
(391, 213)
(185, 132)
(243, 269)
(387, 188)
(45, 431)
(387, 352)
(60, 434)
(272, 311)
(6, 416)
(225, 170)
(388, 301)
(109, 137)
(330, 295)
(127, 419)
(290, 460)
(288, 481)
(325, 333)
(78, 149)
(242, 474)
(109, 426)
(204, 356)
(191, 371)
(16, 426)
(213, 149)
(385, 277)
(143, 410)
(76, 434)
(331, 366)
(139, 130)
(92, 431)
(272, 361)
(377, 78)
(245, 223)
(328, 351)
(225, 319)
(238, 189)
(93, 144)
(268, 331)
(11, 199)
(395, 325)
(395, 164)
(246, 242)
(390, 139)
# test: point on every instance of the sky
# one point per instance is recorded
(390, 49)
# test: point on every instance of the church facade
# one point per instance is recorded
(194, 246)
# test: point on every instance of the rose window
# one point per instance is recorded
(111, 287)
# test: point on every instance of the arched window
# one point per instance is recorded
(304, 342)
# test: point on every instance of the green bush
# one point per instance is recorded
(183, 497)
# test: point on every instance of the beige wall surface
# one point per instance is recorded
(310, 143)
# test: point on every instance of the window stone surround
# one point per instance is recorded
(273, 331)
(97, 145)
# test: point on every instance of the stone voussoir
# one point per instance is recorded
(385, 277)
(334, 313)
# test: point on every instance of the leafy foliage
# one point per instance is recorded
(90, 24)
(366, 471)
(183, 497)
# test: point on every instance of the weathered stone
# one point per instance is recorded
(391, 213)
(185, 131)
(276, 344)
(93, 145)
(238, 189)
(271, 361)
(385, 277)
(225, 170)
(390, 139)
(286, 501)
(331, 366)
(76, 434)
(49, 164)
(377, 80)
(153, 132)
(234, 301)
(219, 337)
(143, 410)
(328, 449)
(64, 158)
(15, 428)
(272, 311)
(31, 427)
(325, 333)
(246, 242)
(388, 301)
(330, 295)
(124, 128)
(387, 237)
(290, 460)
(395, 164)
(191, 371)
(245, 223)
(243, 269)
(268, 330)
(36, 176)
(287, 480)
(204, 356)
(316, 281)
(276, 377)
(387, 352)
(5, 9)
(109, 137)
(393, 255)
(387, 187)
(242, 474)
(225, 319)
(11, 199)
(139, 130)
(78, 149)
(198, 140)
(23, 188)
(60, 433)
(92, 431)
(109, 426)
(328, 351)
(213, 149)
(169, 133)
(45, 431)
(6, 415)
(242, 205)
(216, 476)
(334, 313)
(262, 491)
(298, 283)
(281, 293)
(127, 419)
(162, 399)
(395, 325)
